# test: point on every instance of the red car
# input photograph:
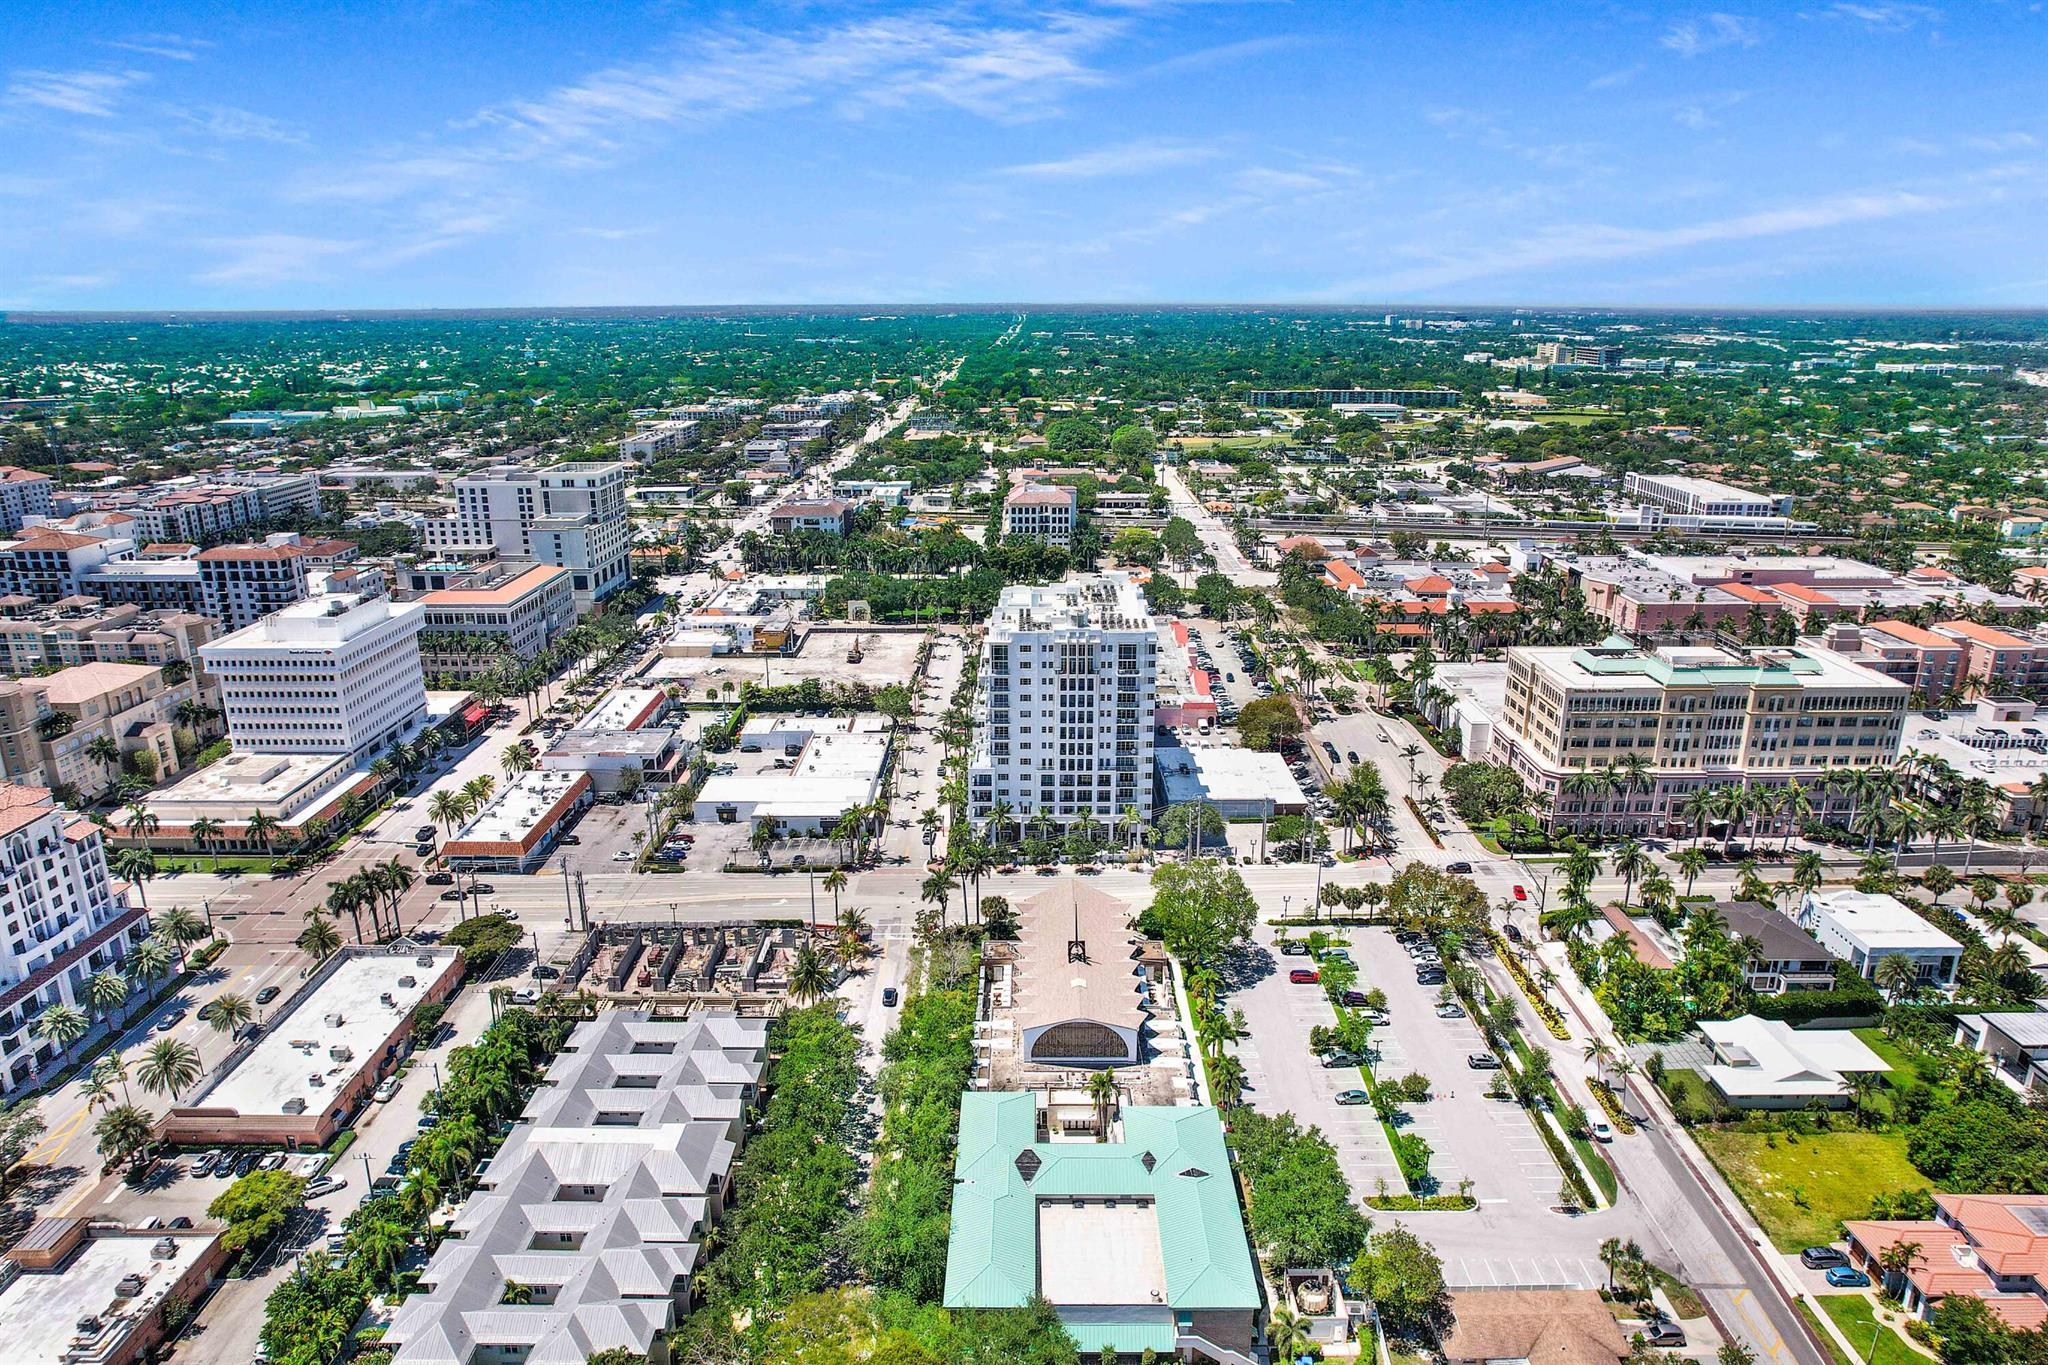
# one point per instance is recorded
(1520, 894)
(1304, 976)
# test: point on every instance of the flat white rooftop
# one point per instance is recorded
(39, 1312)
(518, 807)
(344, 1011)
(247, 782)
(1225, 773)
(1100, 1251)
(1877, 920)
(619, 708)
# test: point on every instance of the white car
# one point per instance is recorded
(624, 855)
(1603, 1132)
(386, 1089)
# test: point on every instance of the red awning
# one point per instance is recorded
(473, 714)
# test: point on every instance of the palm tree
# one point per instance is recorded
(1630, 862)
(1896, 976)
(106, 991)
(835, 881)
(261, 829)
(1287, 1333)
(347, 897)
(514, 761)
(141, 822)
(1691, 862)
(227, 1012)
(809, 976)
(122, 1132)
(937, 889)
(319, 938)
(136, 866)
(1611, 1256)
(445, 808)
(180, 928)
(1599, 1054)
(205, 830)
(1102, 1090)
(1226, 1080)
(61, 1025)
(168, 1066)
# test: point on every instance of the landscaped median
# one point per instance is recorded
(1552, 1017)
(1610, 1103)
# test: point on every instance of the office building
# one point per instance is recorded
(1065, 697)
(572, 516)
(599, 1204)
(1317, 398)
(1577, 355)
(799, 774)
(503, 615)
(87, 1291)
(1862, 928)
(1705, 497)
(1042, 512)
(315, 1061)
(24, 493)
(1696, 717)
(660, 440)
(1136, 1239)
(336, 675)
(64, 921)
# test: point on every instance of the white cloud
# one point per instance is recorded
(275, 258)
(1579, 243)
(90, 93)
(1889, 17)
(239, 125)
(1709, 32)
(1128, 158)
(170, 46)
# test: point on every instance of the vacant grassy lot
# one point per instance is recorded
(1802, 1187)
(1851, 1313)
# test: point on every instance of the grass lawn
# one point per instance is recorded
(1835, 1353)
(1800, 1189)
(1906, 1063)
(204, 862)
(1851, 1313)
(1682, 1085)
(1596, 1162)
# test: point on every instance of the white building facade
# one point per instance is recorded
(570, 515)
(1065, 697)
(338, 675)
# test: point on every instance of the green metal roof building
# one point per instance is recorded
(1135, 1243)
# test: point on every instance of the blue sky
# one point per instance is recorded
(444, 154)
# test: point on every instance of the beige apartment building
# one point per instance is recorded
(1697, 717)
(48, 724)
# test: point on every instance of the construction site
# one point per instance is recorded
(742, 965)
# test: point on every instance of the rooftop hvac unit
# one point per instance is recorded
(406, 983)
(164, 1250)
(341, 1053)
(295, 1105)
(386, 1001)
(333, 1020)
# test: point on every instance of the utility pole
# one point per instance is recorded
(568, 900)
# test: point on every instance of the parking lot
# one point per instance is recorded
(1487, 1141)
(1283, 1076)
(601, 833)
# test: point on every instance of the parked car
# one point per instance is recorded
(245, 1164)
(1304, 976)
(1354, 998)
(321, 1186)
(1662, 1331)
(1461, 867)
(572, 838)
(1334, 955)
(1293, 947)
(1514, 934)
(889, 996)
(1351, 755)
(270, 1161)
(1847, 1277)
(1450, 1011)
(1337, 1059)
(1431, 976)
(1377, 1018)
(204, 1163)
(386, 1089)
(1822, 1258)
(526, 995)
(181, 1222)
(1482, 1061)
(1603, 1132)
(268, 994)
(1353, 1097)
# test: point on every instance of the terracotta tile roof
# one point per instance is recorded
(1343, 575)
(242, 553)
(1750, 593)
(1913, 635)
(1429, 585)
(1799, 592)
(82, 682)
(1985, 635)
(41, 539)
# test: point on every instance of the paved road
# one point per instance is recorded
(1216, 537)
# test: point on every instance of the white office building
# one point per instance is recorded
(1068, 683)
(64, 919)
(1691, 497)
(1863, 928)
(1039, 511)
(332, 675)
(572, 516)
